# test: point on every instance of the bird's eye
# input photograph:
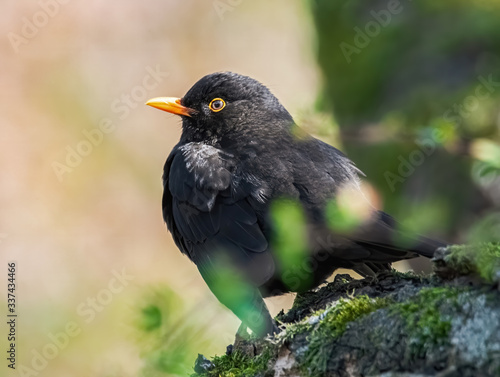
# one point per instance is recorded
(217, 104)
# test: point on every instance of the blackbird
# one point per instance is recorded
(240, 151)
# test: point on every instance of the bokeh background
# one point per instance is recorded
(409, 90)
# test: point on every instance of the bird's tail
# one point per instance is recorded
(386, 236)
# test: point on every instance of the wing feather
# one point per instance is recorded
(211, 219)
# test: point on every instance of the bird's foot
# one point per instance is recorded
(248, 344)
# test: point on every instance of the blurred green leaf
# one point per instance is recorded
(168, 337)
(341, 218)
(487, 151)
(151, 318)
(290, 241)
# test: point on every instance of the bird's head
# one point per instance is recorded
(223, 104)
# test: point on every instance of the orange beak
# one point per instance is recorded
(171, 105)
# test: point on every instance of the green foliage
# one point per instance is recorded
(290, 241)
(487, 151)
(486, 229)
(151, 318)
(341, 218)
(166, 336)
(423, 218)
(231, 287)
(399, 56)
(409, 90)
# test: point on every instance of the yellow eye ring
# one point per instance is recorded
(217, 104)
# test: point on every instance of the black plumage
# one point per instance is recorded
(240, 150)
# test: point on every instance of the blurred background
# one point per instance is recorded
(409, 90)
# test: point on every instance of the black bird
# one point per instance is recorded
(240, 151)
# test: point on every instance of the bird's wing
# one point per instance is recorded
(211, 218)
(380, 239)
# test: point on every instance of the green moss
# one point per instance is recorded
(239, 365)
(409, 275)
(425, 323)
(346, 311)
(333, 323)
(488, 261)
(483, 259)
